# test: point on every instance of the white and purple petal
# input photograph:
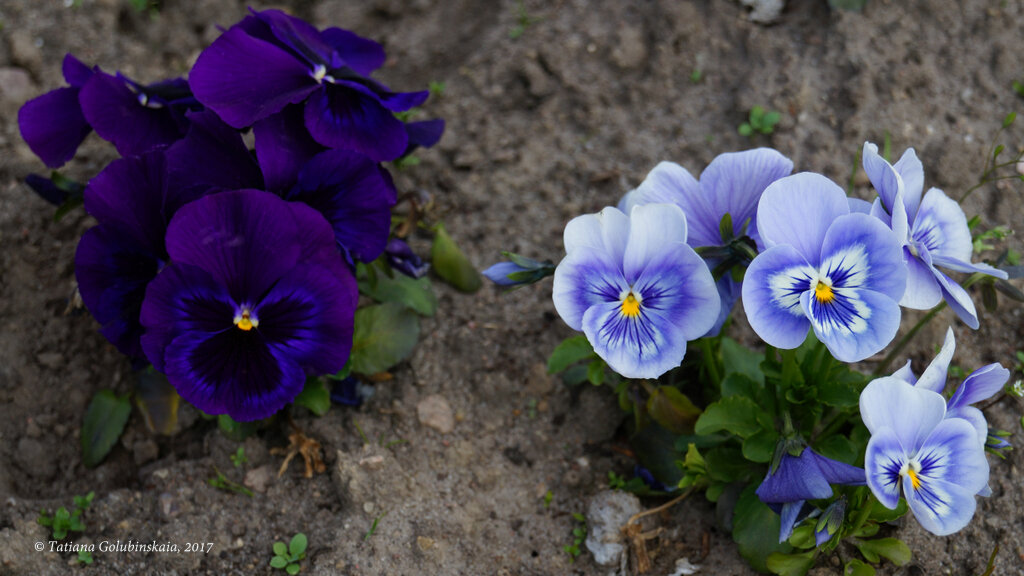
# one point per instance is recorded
(911, 413)
(889, 185)
(982, 384)
(911, 171)
(733, 183)
(642, 346)
(676, 287)
(606, 231)
(855, 324)
(941, 227)
(859, 252)
(772, 287)
(884, 459)
(798, 210)
(586, 277)
(958, 299)
(654, 229)
(923, 291)
(934, 376)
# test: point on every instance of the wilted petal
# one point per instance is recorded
(245, 79)
(836, 472)
(343, 118)
(53, 125)
(820, 202)
(797, 478)
(771, 296)
(911, 413)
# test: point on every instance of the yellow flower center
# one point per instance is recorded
(823, 292)
(244, 321)
(911, 470)
(630, 306)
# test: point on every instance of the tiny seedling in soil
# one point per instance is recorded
(523, 21)
(373, 527)
(548, 497)
(287, 558)
(238, 458)
(84, 557)
(760, 121)
(63, 521)
(221, 482)
(579, 534)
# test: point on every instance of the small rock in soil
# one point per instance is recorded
(764, 11)
(435, 412)
(16, 85)
(607, 513)
(145, 451)
(258, 478)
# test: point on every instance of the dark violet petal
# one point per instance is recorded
(183, 299)
(394, 101)
(112, 277)
(53, 125)
(797, 478)
(245, 239)
(301, 37)
(118, 116)
(425, 133)
(128, 195)
(232, 372)
(75, 73)
(347, 188)
(360, 54)
(211, 156)
(245, 79)
(283, 146)
(349, 120)
(346, 392)
(308, 316)
(402, 258)
(837, 472)
(46, 189)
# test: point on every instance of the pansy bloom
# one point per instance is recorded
(255, 298)
(635, 288)
(825, 268)
(731, 184)
(270, 60)
(938, 461)
(932, 229)
(797, 479)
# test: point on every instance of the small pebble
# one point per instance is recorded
(435, 412)
(424, 543)
(258, 478)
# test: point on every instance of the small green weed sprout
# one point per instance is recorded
(84, 557)
(760, 121)
(239, 458)
(63, 521)
(523, 21)
(579, 534)
(221, 482)
(287, 558)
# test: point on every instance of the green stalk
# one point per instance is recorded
(710, 362)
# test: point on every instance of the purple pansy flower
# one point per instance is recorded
(255, 297)
(635, 288)
(933, 231)
(800, 478)
(402, 258)
(270, 60)
(825, 268)
(135, 118)
(731, 184)
(937, 460)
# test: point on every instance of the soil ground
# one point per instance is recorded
(559, 121)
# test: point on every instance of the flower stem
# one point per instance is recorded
(710, 362)
(884, 364)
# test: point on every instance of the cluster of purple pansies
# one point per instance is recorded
(228, 269)
(801, 254)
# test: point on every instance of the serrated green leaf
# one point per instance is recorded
(837, 447)
(416, 293)
(104, 422)
(315, 397)
(739, 385)
(671, 409)
(385, 334)
(889, 548)
(760, 447)
(572, 350)
(834, 392)
(280, 549)
(858, 568)
(297, 546)
(756, 530)
(736, 414)
(278, 562)
(790, 564)
(451, 264)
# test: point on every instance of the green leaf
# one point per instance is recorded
(158, 402)
(315, 397)
(233, 430)
(834, 392)
(790, 564)
(890, 548)
(654, 448)
(297, 546)
(104, 422)
(837, 447)
(416, 293)
(739, 385)
(725, 227)
(736, 414)
(858, 568)
(280, 549)
(292, 569)
(451, 264)
(755, 528)
(569, 352)
(64, 209)
(672, 410)
(803, 537)
(1009, 119)
(770, 120)
(278, 562)
(745, 129)
(726, 464)
(760, 447)
(738, 359)
(595, 372)
(385, 334)
(879, 513)
(756, 115)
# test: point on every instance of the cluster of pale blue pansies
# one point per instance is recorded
(802, 444)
